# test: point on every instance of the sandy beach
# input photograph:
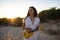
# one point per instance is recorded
(15, 33)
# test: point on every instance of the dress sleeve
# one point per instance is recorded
(26, 23)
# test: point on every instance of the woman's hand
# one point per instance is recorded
(29, 29)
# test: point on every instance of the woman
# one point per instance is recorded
(31, 23)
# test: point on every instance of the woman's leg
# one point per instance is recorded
(36, 35)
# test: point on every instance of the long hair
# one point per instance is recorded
(35, 12)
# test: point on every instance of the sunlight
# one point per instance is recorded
(13, 11)
(12, 20)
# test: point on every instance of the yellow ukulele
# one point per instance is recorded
(27, 34)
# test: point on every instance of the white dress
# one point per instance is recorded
(33, 26)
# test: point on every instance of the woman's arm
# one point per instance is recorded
(23, 24)
(38, 24)
(36, 29)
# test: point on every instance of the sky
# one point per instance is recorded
(19, 8)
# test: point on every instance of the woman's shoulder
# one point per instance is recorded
(37, 19)
(26, 18)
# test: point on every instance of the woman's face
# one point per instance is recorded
(31, 11)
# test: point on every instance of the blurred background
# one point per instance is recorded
(12, 13)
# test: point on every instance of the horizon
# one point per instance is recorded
(19, 8)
